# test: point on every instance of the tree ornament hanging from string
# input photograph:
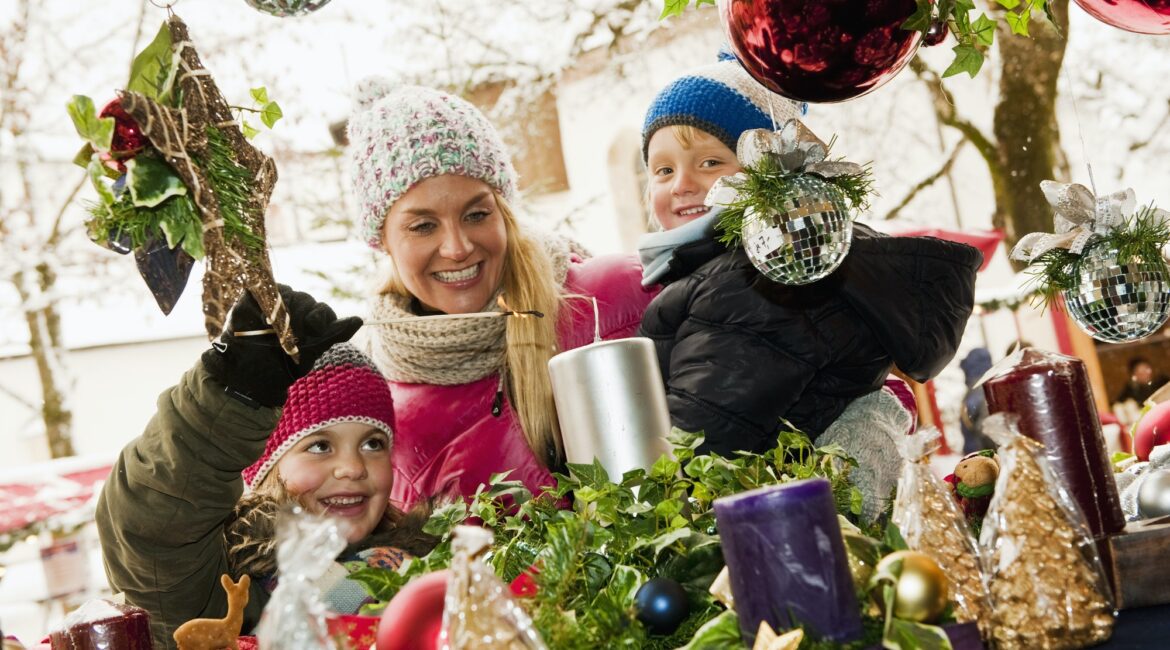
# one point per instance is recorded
(1106, 259)
(191, 178)
(791, 207)
(286, 8)
(1138, 16)
(821, 52)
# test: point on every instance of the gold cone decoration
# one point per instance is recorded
(178, 133)
(1046, 584)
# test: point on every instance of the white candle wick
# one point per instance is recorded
(596, 322)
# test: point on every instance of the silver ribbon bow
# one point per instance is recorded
(1080, 217)
(794, 147)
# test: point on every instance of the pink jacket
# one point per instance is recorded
(446, 441)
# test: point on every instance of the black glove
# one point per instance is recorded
(255, 369)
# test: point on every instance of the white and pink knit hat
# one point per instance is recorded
(343, 386)
(399, 136)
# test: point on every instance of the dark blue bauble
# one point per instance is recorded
(662, 605)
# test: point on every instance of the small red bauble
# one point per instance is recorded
(823, 51)
(1140, 16)
(1152, 430)
(128, 138)
(414, 617)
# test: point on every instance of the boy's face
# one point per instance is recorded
(680, 176)
(343, 471)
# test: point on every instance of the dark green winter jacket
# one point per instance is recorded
(161, 513)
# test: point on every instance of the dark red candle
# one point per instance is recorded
(1051, 395)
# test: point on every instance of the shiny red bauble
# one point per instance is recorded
(1141, 16)
(414, 617)
(1152, 430)
(128, 137)
(822, 50)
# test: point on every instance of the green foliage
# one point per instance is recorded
(1141, 238)
(767, 186)
(676, 7)
(268, 110)
(591, 559)
(152, 181)
(153, 71)
(98, 132)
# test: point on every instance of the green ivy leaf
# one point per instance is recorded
(907, 635)
(152, 181)
(97, 131)
(82, 158)
(249, 130)
(676, 7)
(719, 633)
(193, 240)
(153, 70)
(968, 59)
(919, 21)
(664, 468)
(1008, 4)
(97, 176)
(260, 95)
(270, 113)
(379, 583)
(893, 539)
(983, 29)
(593, 475)
(1019, 21)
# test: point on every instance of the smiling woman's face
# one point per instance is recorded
(447, 239)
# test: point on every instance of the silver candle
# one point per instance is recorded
(611, 404)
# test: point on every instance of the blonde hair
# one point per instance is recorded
(528, 283)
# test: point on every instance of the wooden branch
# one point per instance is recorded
(944, 108)
(56, 233)
(929, 180)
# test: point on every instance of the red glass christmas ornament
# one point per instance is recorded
(414, 617)
(128, 138)
(823, 51)
(1140, 16)
(1152, 430)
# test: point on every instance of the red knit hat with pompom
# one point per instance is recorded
(343, 386)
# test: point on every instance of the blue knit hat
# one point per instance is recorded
(722, 99)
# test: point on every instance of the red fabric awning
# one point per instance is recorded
(25, 503)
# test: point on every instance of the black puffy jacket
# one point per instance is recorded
(738, 352)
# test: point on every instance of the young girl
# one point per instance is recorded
(738, 352)
(436, 190)
(171, 516)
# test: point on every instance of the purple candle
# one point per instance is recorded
(1051, 395)
(787, 561)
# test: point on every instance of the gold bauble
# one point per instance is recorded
(920, 593)
(863, 554)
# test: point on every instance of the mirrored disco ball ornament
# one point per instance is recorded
(286, 8)
(804, 239)
(1119, 301)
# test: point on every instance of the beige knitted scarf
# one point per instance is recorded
(449, 351)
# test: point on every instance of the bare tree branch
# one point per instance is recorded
(943, 170)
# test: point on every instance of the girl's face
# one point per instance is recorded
(447, 240)
(680, 176)
(343, 471)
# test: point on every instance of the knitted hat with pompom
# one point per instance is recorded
(400, 136)
(721, 99)
(343, 386)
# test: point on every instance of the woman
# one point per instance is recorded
(472, 395)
